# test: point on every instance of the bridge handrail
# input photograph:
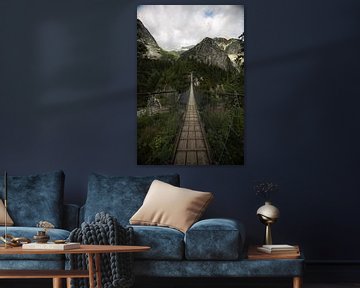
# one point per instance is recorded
(154, 93)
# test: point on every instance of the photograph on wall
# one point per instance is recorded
(190, 85)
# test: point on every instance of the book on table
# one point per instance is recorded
(278, 249)
(255, 254)
(51, 246)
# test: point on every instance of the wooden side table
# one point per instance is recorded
(93, 251)
(254, 254)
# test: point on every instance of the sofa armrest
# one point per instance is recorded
(215, 239)
(70, 216)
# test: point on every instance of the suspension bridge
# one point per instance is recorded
(192, 148)
(189, 145)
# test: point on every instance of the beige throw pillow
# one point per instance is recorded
(170, 206)
(9, 221)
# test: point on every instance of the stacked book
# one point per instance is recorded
(51, 246)
(273, 252)
(279, 249)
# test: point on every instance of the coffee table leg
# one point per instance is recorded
(91, 270)
(57, 283)
(297, 282)
(98, 270)
(68, 282)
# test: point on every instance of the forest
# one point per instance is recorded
(164, 84)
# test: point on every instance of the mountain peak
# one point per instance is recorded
(208, 39)
(207, 51)
(147, 45)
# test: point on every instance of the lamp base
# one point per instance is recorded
(268, 237)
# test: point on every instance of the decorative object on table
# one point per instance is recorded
(268, 213)
(61, 241)
(41, 236)
(11, 241)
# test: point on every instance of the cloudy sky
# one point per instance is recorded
(176, 26)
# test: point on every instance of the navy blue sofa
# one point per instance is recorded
(32, 199)
(210, 248)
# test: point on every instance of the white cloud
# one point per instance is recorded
(175, 26)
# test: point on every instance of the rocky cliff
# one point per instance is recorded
(209, 52)
(234, 48)
(147, 45)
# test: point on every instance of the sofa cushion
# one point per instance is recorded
(9, 221)
(119, 196)
(214, 239)
(35, 198)
(170, 206)
(165, 243)
(29, 232)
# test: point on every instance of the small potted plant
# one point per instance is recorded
(265, 189)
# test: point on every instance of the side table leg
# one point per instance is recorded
(57, 283)
(297, 282)
(91, 270)
(98, 270)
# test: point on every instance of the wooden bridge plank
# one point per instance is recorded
(191, 147)
(180, 158)
(202, 158)
(191, 158)
(182, 144)
(200, 144)
(191, 144)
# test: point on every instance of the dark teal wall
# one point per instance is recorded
(68, 101)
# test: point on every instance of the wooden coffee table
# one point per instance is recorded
(94, 267)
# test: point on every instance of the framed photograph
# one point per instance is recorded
(190, 85)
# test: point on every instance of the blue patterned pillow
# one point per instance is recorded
(120, 196)
(35, 198)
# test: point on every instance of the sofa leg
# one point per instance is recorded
(297, 282)
(57, 283)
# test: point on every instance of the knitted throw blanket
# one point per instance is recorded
(116, 268)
